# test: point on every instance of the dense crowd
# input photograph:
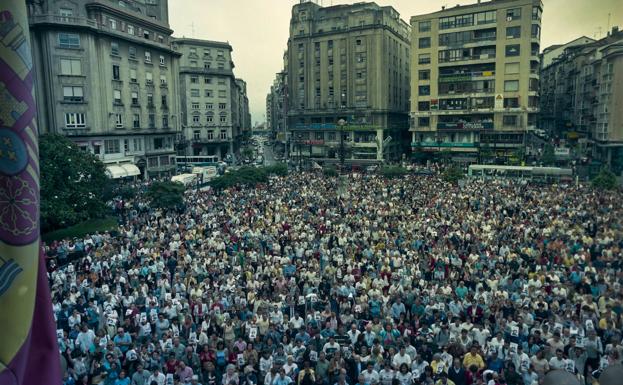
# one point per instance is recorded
(349, 281)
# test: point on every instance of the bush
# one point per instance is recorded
(453, 174)
(280, 169)
(166, 195)
(391, 172)
(330, 172)
(73, 183)
(605, 180)
(247, 176)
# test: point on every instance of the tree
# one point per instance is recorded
(391, 172)
(166, 195)
(73, 182)
(247, 153)
(486, 153)
(605, 180)
(548, 158)
(329, 172)
(452, 174)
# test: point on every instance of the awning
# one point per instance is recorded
(116, 171)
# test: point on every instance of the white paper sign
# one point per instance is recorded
(301, 300)
(59, 333)
(240, 360)
(515, 331)
(252, 333)
(313, 356)
(170, 379)
(570, 366)
(513, 347)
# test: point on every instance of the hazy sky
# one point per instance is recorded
(258, 29)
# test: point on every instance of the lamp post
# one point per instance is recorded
(341, 123)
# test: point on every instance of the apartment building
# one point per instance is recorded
(106, 78)
(209, 99)
(348, 64)
(276, 107)
(475, 77)
(241, 114)
(582, 95)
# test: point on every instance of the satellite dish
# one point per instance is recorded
(560, 377)
(611, 375)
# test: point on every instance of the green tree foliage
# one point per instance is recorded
(247, 153)
(605, 180)
(166, 195)
(452, 174)
(248, 176)
(72, 181)
(548, 158)
(329, 172)
(391, 172)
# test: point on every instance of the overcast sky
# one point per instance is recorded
(258, 29)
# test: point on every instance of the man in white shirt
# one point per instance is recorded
(558, 361)
(158, 377)
(370, 375)
(353, 333)
(401, 358)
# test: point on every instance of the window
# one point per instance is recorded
(194, 92)
(424, 90)
(74, 120)
(193, 63)
(513, 32)
(536, 31)
(223, 134)
(319, 136)
(116, 96)
(207, 80)
(194, 79)
(114, 48)
(423, 106)
(424, 58)
(130, 29)
(136, 121)
(424, 26)
(132, 52)
(163, 100)
(137, 144)
(111, 146)
(513, 14)
(165, 121)
(330, 44)
(65, 13)
(512, 50)
(223, 118)
(73, 94)
(222, 106)
(510, 120)
(132, 75)
(222, 94)
(358, 42)
(423, 122)
(486, 17)
(152, 162)
(301, 46)
(196, 134)
(208, 93)
(161, 60)
(424, 42)
(151, 120)
(158, 143)
(147, 57)
(118, 120)
(150, 100)
(71, 67)
(149, 78)
(209, 118)
(146, 34)
(69, 40)
(113, 23)
(424, 75)
(209, 106)
(163, 80)
(511, 68)
(115, 72)
(193, 51)
(126, 145)
(194, 105)
(134, 98)
(536, 13)
(511, 85)
(511, 102)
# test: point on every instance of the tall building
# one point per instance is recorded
(209, 98)
(349, 64)
(106, 77)
(582, 95)
(475, 77)
(241, 115)
(276, 107)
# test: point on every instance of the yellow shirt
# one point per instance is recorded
(470, 360)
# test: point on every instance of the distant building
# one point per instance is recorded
(106, 77)
(475, 77)
(350, 63)
(582, 95)
(214, 103)
(276, 107)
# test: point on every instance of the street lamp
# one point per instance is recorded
(341, 123)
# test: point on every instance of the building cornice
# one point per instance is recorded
(96, 5)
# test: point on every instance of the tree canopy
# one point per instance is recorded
(605, 180)
(166, 195)
(73, 183)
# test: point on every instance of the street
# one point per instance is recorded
(269, 157)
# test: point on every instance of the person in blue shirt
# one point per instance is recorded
(282, 379)
(398, 308)
(123, 340)
(461, 290)
(122, 380)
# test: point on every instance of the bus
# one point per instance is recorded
(186, 163)
(536, 174)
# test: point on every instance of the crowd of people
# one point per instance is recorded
(356, 280)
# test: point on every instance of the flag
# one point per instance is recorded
(28, 349)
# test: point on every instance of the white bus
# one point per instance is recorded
(539, 174)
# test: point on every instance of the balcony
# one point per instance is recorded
(206, 71)
(465, 77)
(206, 140)
(444, 144)
(483, 58)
